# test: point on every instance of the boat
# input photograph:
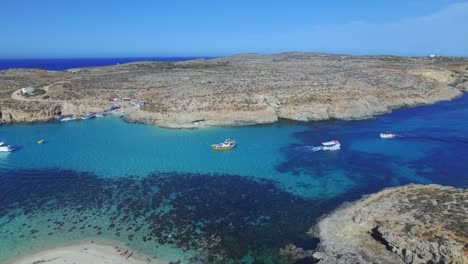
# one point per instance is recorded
(387, 134)
(86, 116)
(99, 115)
(66, 119)
(40, 141)
(331, 145)
(6, 148)
(226, 145)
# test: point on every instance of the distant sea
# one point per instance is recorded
(70, 63)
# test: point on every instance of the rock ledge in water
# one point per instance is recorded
(409, 224)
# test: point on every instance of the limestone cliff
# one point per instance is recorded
(409, 224)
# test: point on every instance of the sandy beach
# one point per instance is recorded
(88, 253)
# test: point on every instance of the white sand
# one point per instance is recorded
(87, 253)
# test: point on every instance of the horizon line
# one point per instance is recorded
(223, 56)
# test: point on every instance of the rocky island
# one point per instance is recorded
(238, 90)
(408, 224)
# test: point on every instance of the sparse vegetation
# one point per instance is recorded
(36, 92)
(424, 221)
(293, 86)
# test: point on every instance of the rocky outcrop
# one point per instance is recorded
(44, 114)
(73, 108)
(27, 112)
(248, 89)
(409, 224)
(291, 253)
(202, 119)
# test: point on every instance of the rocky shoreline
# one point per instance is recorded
(238, 90)
(407, 224)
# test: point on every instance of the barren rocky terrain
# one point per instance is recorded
(238, 90)
(409, 224)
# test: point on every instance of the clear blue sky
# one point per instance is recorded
(114, 28)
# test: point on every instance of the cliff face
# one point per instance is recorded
(248, 89)
(409, 224)
(28, 113)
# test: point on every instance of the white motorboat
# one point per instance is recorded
(331, 145)
(6, 148)
(66, 119)
(387, 134)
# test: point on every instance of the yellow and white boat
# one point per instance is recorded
(40, 141)
(226, 145)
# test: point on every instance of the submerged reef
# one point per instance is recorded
(220, 217)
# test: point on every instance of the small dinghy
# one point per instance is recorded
(226, 145)
(40, 141)
(387, 134)
(331, 145)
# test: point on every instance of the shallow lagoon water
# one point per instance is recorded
(165, 192)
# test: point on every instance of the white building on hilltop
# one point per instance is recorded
(28, 91)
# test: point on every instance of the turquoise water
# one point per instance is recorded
(109, 147)
(165, 192)
(113, 148)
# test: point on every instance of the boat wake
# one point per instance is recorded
(309, 148)
(434, 137)
(447, 140)
(330, 145)
(314, 149)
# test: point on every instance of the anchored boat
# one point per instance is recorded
(226, 145)
(331, 145)
(387, 134)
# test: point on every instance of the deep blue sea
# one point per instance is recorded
(65, 64)
(166, 193)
